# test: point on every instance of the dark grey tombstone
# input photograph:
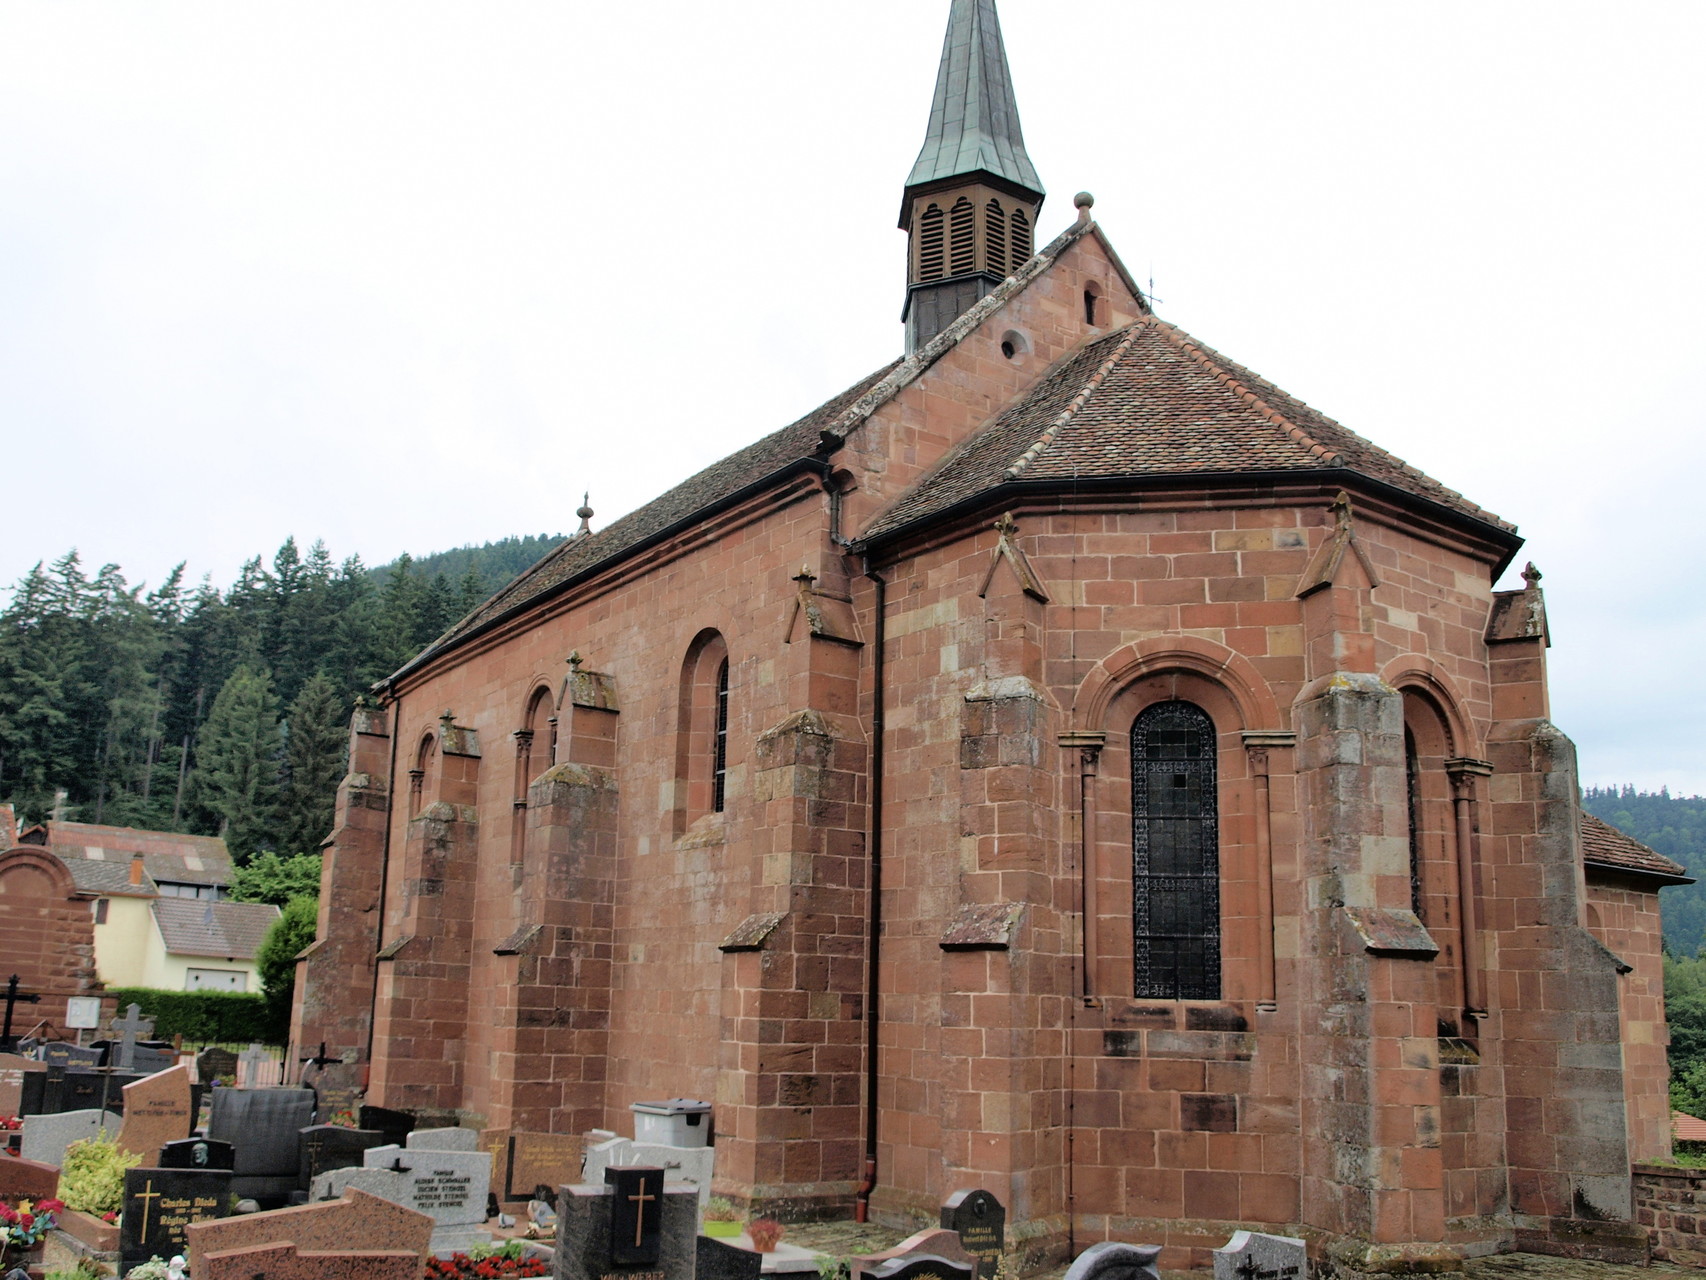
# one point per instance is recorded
(102, 1090)
(73, 1057)
(265, 1125)
(146, 1059)
(198, 1153)
(636, 1213)
(981, 1222)
(160, 1203)
(1251, 1255)
(1111, 1260)
(216, 1064)
(920, 1266)
(584, 1237)
(719, 1260)
(325, 1147)
(395, 1125)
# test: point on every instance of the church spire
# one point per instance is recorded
(973, 195)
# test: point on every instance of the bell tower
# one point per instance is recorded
(972, 198)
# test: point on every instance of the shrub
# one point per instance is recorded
(202, 1017)
(276, 959)
(92, 1178)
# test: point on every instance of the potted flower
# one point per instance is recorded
(765, 1234)
(22, 1227)
(722, 1217)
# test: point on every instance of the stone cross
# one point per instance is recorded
(7, 1043)
(252, 1059)
(131, 1025)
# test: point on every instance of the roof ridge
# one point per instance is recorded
(1186, 343)
(1091, 385)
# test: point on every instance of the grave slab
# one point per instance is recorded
(935, 1242)
(688, 1166)
(156, 1111)
(981, 1221)
(443, 1140)
(1112, 1260)
(27, 1179)
(160, 1203)
(584, 1244)
(46, 1137)
(920, 1266)
(330, 1226)
(720, 1260)
(1251, 1255)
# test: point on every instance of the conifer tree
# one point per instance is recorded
(313, 766)
(237, 758)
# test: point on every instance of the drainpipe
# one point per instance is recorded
(396, 727)
(862, 1198)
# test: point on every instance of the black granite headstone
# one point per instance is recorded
(265, 1125)
(720, 1260)
(1112, 1260)
(198, 1153)
(216, 1064)
(636, 1213)
(62, 1053)
(50, 1092)
(325, 1147)
(981, 1222)
(395, 1125)
(160, 1203)
(920, 1266)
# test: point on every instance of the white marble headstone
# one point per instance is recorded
(687, 1166)
(448, 1186)
(46, 1137)
(1250, 1255)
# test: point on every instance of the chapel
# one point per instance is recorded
(1061, 763)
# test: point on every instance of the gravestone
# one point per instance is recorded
(691, 1166)
(156, 1111)
(47, 1136)
(130, 1027)
(27, 1180)
(290, 1262)
(160, 1203)
(62, 1053)
(395, 1125)
(530, 1159)
(443, 1140)
(328, 1229)
(1111, 1260)
(1250, 1255)
(584, 1237)
(920, 1266)
(636, 1211)
(198, 1153)
(324, 1147)
(718, 1260)
(935, 1242)
(449, 1186)
(147, 1059)
(337, 1090)
(257, 1069)
(216, 1064)
(981, 1222)
(13, 1068)
(265, 1125)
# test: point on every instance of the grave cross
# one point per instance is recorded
(252, 1058)
(7, 1042)
(640, 1212)
(131, 1025)
(145, 1196)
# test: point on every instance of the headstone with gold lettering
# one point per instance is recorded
(1250, 1255)
(981, 1222)
(591, 1234)
(160, 1203)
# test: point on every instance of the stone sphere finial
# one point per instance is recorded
(1083, 200)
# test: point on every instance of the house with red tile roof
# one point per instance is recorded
(1062, 763)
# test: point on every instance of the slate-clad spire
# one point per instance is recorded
(971, 202)
(974, 119)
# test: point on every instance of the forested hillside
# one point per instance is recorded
(1676, 827)
(195, 709)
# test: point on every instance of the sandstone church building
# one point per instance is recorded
(1062, 763)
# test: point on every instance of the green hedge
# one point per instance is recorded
(204, 1017)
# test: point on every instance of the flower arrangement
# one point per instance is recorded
(486, 1263)
(765, 1234)
(23, 1225)
(11, 1124)
(343, 1119)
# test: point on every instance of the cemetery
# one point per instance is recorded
(129, 1157)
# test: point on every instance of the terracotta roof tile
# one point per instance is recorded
(1685, 1128)
(166, 855)
(196, 927)
(109, 879)
(1149, 401)
(1604, 845)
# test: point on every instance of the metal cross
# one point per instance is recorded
(640, 1211)
(7, 1041)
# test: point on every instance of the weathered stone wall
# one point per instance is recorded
(1625, 917)
(1671, 1204)
(47, 935)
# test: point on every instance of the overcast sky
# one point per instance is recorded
(410, 275)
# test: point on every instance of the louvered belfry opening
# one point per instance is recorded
(1175, 854)
(995, 237)
(1021, 238)
(932, 246)
(965, 240)
(962, 238)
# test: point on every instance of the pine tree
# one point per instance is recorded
(313, 766)
(237, 758)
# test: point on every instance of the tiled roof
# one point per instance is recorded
(1685, 1128)
(166, 855)
(196, 927)
(1603, 845)
(1149, 401)
(109, 879)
